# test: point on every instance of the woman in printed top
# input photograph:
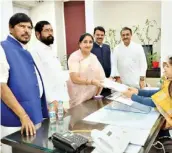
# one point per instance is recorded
(161, 99)
(86, 73)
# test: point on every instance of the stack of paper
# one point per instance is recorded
(117, 96)
(108, 83)
(136, 137)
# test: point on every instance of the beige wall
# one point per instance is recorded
(116, 14)
(44, 11)
(51, 11)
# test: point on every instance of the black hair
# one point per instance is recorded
(99, 28)
(170, 85)
(126, 28)
(39, 25)
(84, 35)
(19, 17)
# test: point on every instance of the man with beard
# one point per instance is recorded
(103, 53)
(23, 103)
(129, 61)
(48, 64)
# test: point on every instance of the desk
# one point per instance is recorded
(40, 143)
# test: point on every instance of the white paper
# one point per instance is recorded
(131, 148)
(117, 96)
(124, 119)
(136, 136)
(124, 100)
(151, 88)
(108, 83)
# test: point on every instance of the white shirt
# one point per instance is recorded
(51, 72)
(129, 62)
(4, 68)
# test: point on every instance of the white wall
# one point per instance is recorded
(53, 12)
(89, 16)
(44, 11)
(60, 25)
(5, 15)
(166, 47)
(116, 14)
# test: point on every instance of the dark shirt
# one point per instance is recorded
(104, 56)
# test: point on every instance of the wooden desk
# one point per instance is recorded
(40, 143)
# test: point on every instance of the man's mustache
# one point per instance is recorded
(26, 34)
(50, 37)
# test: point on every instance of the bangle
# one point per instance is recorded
(24, 116)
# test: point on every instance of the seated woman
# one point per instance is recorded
(86, 73)
(161, 99)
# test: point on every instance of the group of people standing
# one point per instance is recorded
(30, 80)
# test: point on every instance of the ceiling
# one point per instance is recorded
(27, 4)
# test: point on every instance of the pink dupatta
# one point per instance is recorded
(88, 68)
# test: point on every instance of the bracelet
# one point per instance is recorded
(23, 116)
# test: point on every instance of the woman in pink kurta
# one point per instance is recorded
(86, 73)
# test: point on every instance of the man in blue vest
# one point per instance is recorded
(23, 104)
(103, 53)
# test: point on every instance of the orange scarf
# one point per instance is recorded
(163, 102)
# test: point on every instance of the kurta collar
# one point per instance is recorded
(98, 44)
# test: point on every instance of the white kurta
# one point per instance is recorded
(129, 62)
(51, 72)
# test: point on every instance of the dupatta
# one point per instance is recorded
(163, 103)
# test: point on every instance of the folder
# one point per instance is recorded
(135, 107)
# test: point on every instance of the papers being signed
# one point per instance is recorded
(108, 83)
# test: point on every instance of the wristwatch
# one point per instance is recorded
(142, 78)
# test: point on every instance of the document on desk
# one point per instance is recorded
(130, 149)
(117, 96)
(123, 118)
(108, 83)
(151, 88)
(136, 136)
(135, 107)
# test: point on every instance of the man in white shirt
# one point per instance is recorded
(129, 63)
(49, 65)
(23, 104)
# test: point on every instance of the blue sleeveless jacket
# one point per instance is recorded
(24, 85)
